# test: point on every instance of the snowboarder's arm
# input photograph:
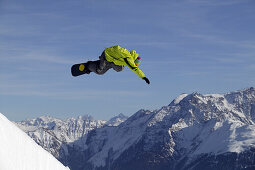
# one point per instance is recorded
(130, 63)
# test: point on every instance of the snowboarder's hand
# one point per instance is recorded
(147, 80)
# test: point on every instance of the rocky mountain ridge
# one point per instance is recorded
(195, 131)
(54, 134)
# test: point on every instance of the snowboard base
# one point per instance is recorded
(79, 69)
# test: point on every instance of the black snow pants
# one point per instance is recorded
(102, 65)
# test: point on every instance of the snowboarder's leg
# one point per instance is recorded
(105, 63)
(99, 66)
(117, 68)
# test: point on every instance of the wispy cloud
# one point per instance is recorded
(212, 38)
(23, 54)
(217, 2)
(69, 95)
(229, 60)
(221, 40)
(40, 57)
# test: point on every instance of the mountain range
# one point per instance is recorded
(54, 134)
(195, 131)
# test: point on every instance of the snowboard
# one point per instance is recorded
(79, 69)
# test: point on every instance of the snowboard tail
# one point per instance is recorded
(79, 69)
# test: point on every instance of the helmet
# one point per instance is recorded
(137, 61)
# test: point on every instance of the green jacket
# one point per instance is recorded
(121, 56)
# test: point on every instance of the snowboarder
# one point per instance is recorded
(113, 57)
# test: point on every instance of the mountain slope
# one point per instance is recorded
(19, 151)
(195, 131)
(54, 135)
(192, 127)
(116, 120)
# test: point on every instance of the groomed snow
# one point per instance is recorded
(19, 152)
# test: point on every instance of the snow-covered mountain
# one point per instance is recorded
(55, 134)
(116, 120)
(195, 131)
(19, 152)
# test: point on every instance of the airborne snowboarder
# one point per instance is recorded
(113, 57)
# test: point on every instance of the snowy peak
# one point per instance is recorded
(221, 121)
(241, 96)
(43, 121)
(178, 99)
(231, 97)
(73, 127)
(186, 127)
(237, 105)
(48, 131)
(19, 151)
(85, 118)
(116, 120)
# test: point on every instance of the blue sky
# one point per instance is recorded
(205, 46)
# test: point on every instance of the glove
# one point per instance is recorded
(147, 80)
